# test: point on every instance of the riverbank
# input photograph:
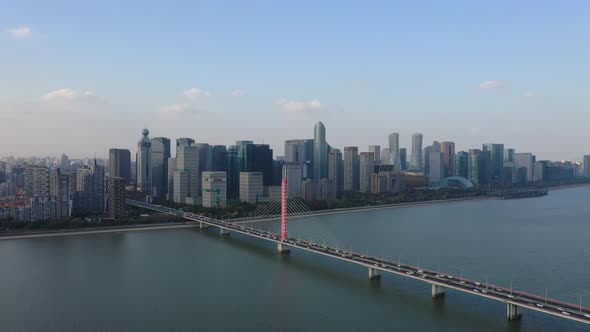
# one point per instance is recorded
(96, 230)
(569, 186)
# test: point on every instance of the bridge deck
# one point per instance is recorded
(473, 287)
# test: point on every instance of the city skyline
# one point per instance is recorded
(498, 77)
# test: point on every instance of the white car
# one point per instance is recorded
(539, 305)
(484, 291)
(565, 313)
(587, 315)
(510, 296)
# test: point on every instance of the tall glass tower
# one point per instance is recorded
(320, 158)
(394, 151)
(416, 157)
(144, 162)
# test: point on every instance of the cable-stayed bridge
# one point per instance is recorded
(280, 215)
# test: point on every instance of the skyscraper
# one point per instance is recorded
(37, 181)
(525, 160)
(251, 187)
(509, 155)
(448, 151)
(587, 166)
(293, 173)
(437, 167)
(219, 158)
(144, 162)
(376, 149)
(386, 156)
(403, 157)
(186, 178)
(366, 166)
(497, 160)
(61, 188)
(301, 151)
(416, 157)
(233, 171)
(336, 169)
(160, 156)
(98, 191)
(115, 197)
(351, 168)
(320, 158)
(120, 164)
(214, 189)
(461, 164)
(171, 170)
(394, 156)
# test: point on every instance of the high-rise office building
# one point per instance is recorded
(214, 189)
(320, 157)
(171, 170)
(376, 149)
(448, 151)
(159, 162)
(233, 171)
(251, 187)
(437, 167)
(144, 162)
(219, 158)
(351, 168)
(120, 163)
(336, 169)
(366, 166)
(416, 157)
(479, 164)
(394, 155)
(293, 173)
(403, 157)
(461, 164)
(497, 160)
(205, 157)
(36, 181)
(90, 190)
(385, 156)
(587, 166)
(115, 197)
(525, 160)
(301, 151)
(509, 155)
(187, 182)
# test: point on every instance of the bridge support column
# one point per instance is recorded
(512, 311)
(203, 225)
(282, 249)
(374, 274)
(437, 291)
(223, 231)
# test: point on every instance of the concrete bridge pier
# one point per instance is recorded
(512, 311)
(282, 249)
(223, 231)
(374, 274)
(437, 291)
(203, 225)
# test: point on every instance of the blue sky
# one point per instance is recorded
(82, 78)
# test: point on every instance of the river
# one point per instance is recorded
(193, 280)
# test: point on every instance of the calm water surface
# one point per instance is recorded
(191, 280)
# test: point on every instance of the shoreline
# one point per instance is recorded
(569, 186)
(189, 224)
(397, 205)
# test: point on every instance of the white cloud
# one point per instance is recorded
(179, 109)
(20, 32)
(487, 85)
(238, 93)
(194, 93)
(530, 93)
(70, 95)
(299, 106)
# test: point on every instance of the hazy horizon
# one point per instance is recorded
(81, 80)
